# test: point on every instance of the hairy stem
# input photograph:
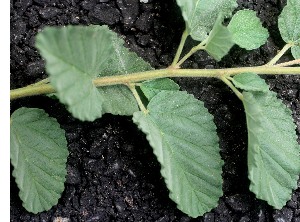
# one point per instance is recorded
(279, 54)
(184, 36)
(160, 73)
(137, 97)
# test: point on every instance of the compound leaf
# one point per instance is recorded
(153, 87)
(250, 82)
(38, 152)
(247, 30)
(273, 151)
(183, 136)
(219, 40)
(200, 15)
(73, 60)
(289, 25)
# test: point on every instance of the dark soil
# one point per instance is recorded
(112, 172)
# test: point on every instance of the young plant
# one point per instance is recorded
(92, 73)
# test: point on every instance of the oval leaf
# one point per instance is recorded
(273, 151)
(288, 22)
(247, 30)
(38, 152)
(73, 60)
(200, 15)
(219, 40)
(184, 139)
(250, 82)
(289, 25)
(152, 87)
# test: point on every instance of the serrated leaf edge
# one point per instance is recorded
(16, 163)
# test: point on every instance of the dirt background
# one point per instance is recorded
(112, 172)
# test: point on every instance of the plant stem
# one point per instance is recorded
(290, 63)
(232, 87)
(160, 73)
(31, 91)
(191, 52)
(184, 36)
(279, 54)
(44, 81)
(136, 95)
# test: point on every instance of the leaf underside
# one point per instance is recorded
(289, 25)
(273, 151)
(247, 30)
(183, 136)
(250, 82)
(38, 152)
(200, 15)
(219, 40)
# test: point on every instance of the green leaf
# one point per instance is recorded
(296, 51)
(247, 30)
(38, 152)
(119, 99)
(200, 15)
(75, 55)
(273, 151)
(184, 139)
(289, 22)
(152, 87)
(73, 61)
(122, 60)
(250, 82)
(289, 25)
(219, 40)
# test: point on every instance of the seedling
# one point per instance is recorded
(92, 73)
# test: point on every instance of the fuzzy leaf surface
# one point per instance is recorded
(119, 100)
(273, 151)
(289, 25)
(296, 51)
(183, 136)
(153, 87)
(200, 15)
(73, 60)
(38, 152)
(219, 40)
(250, 82)
(247, 30)
(123, 61)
